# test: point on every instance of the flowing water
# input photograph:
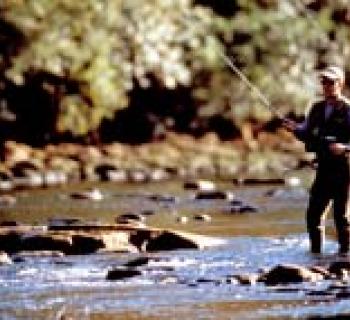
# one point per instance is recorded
(183, 284)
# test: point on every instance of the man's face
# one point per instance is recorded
(331, 88)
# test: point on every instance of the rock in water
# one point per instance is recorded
(122, 273)
(92, 194)
(339, 267)
(289, 273)
(4, 258)
(140, 261)
(201, 185)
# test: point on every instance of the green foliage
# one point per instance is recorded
(107, 46)
(104, 45)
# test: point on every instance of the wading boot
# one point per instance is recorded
(344, 241)
(316, 237)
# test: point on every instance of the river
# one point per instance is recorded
(182, 284)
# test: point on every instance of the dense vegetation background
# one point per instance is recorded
(103, 70)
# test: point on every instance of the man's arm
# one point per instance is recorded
(298, 129)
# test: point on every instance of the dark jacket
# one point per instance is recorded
(317, 131)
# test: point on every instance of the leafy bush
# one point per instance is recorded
(104, 46)
(108, 47)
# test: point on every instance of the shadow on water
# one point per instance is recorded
(181, 284)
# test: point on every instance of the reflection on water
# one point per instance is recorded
(183, 284)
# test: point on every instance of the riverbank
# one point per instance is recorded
(266, 157)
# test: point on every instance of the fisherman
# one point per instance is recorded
(326, 131)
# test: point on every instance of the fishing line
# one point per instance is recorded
(249, 84)
(299, 5)
(229, 63)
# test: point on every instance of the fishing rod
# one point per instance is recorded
(250, 85)
(229, 63)
(301, 7)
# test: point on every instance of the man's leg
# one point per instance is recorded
(342, 218)
(315, 215)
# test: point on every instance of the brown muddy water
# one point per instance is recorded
(183, 284)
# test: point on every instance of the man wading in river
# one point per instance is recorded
(326, 131)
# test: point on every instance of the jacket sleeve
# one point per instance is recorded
(302, 129)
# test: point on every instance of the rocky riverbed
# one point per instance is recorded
(101, 251)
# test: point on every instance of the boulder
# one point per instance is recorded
(182, 219)
(170, 241)
(138, 176)
(339, 267)
(119, 175)
(113, 241)
(86, 239)
(130, 217)
(289, 273)
(173, 240)
(54, 178)
(4, 258)
(202, 217)
(86, 243)
(246, 279)
(47, 241)
(32, 179)
(9, 223)
(138, 262)
(214, 195)
(243, 208)
(201, 185)
(163, 198)
(103, 169)
(91, 194)
(321, 270)
(57, 221)
(25, 167)
(159, 174)
(122, 273)
(10, 241)
(118, 241)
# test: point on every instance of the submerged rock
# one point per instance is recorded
(215, 195)
(339, 268)
(170, 241)
(173, 240)
(243, 208)
(9, 223)
(46, 242)
(122, 273)
(63, 221)
(163, 198)
(258, 181)
(289, 273)
(130, 218)
(202, 217)
(138, 262)
(201, 185)
(245, 279)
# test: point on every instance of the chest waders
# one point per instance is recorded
(331, 185)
